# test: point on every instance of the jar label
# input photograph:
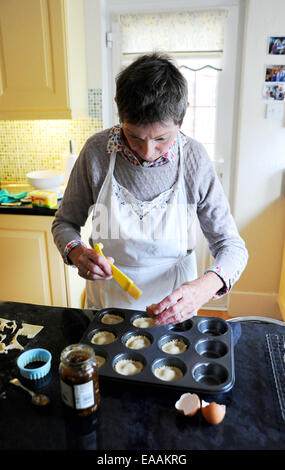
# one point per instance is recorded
(84, 395)
(79, 396)
(67, 394)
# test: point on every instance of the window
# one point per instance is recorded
(200, 119)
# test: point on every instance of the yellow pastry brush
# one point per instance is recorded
(123, 280)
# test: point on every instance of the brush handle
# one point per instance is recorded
(123, 280)
(117, 274)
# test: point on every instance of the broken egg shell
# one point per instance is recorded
(213, 412)
(188, 404)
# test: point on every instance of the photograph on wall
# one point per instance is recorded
(276, 45)
(274, 91)
(275, 73)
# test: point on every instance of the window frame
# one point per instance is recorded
(228, 86)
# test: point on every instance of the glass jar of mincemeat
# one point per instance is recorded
(79, 383)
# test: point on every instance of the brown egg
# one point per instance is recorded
(213, 412)
(188, 404)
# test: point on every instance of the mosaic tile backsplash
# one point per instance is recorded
(41, 144)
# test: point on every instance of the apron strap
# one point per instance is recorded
(112, 163)
(181, 162)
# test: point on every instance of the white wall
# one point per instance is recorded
(259, 205)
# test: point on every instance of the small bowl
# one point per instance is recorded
(45, 179)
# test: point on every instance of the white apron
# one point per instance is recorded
(148, 241)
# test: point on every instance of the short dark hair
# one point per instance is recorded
(151, 89)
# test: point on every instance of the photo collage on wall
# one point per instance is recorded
(274, 86)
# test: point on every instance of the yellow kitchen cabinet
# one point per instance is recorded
(32, 269)
(281, 296)
(42, 59)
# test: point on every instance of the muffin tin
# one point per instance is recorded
(207, 363)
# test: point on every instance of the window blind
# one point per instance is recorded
(195, 31)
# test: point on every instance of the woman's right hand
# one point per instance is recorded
(90, 264)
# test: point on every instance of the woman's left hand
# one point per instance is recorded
(185, 301)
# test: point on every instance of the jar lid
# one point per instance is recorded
(34, 355)
(68, 353)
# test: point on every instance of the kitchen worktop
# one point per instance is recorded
(24, 208)
(136, 417)
(27, 209)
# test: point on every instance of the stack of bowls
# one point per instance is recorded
(48, 180)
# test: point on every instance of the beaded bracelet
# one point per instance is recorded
(68, 249)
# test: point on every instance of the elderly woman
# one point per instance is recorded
(148, 184)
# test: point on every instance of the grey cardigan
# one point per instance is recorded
(203, 189)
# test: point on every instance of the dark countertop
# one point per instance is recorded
(135, 417)
(27, 209)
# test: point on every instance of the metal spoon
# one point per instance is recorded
(37, 398)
